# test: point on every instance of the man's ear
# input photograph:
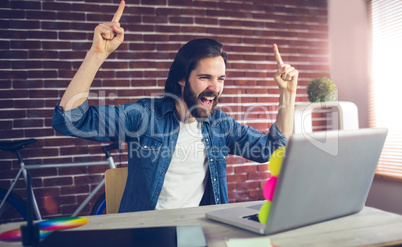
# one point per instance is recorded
(182, 82)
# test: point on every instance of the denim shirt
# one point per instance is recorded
(150, 128)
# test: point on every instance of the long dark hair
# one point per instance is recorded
(187, 59)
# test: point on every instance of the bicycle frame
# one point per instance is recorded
(23, 170)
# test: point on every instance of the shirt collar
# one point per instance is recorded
(168, 105)
(162, 107)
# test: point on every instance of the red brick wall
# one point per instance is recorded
(42, 44)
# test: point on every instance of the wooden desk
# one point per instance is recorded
(370, 227)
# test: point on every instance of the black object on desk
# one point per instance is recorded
(168, 236)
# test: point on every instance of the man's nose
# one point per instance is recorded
(214, 86)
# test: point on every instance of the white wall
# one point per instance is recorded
(386, 195)
(349, 33)
(349, 46)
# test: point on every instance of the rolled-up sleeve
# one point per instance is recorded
(254, 145)
(59, 115)
(277, 136)
(103, 123)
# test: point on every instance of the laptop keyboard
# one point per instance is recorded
(253, 217)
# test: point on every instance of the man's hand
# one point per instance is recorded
(286, 75)
(286, 78)
(109, 35)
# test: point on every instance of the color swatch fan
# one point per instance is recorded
(46, 227)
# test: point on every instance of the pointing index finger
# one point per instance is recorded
(278, 57)
(119, 12)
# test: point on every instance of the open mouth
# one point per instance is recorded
(207, 101)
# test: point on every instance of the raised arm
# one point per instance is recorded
(286, 78)
(107, 37)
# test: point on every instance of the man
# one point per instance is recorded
(177, 144)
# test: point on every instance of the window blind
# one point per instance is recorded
(386, 88)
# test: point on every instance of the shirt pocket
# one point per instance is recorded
(148, 151)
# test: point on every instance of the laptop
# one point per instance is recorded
(324, 175)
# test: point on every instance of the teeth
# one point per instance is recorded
(210, 98)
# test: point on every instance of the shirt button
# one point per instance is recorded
(217, 199)
(145, 147)
(206, 139)
(156, 193)
(163, 172)
(214, 179)
(212, 160)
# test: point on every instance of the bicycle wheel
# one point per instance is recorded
(99, 206)
(14, 208)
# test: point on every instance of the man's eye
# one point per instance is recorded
(204, 78)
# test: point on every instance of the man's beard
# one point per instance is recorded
(196, 110)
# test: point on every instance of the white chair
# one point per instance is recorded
(345, 118)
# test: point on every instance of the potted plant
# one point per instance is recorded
(322, 93)
(322, 90)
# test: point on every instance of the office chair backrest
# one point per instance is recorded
(115, 182)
